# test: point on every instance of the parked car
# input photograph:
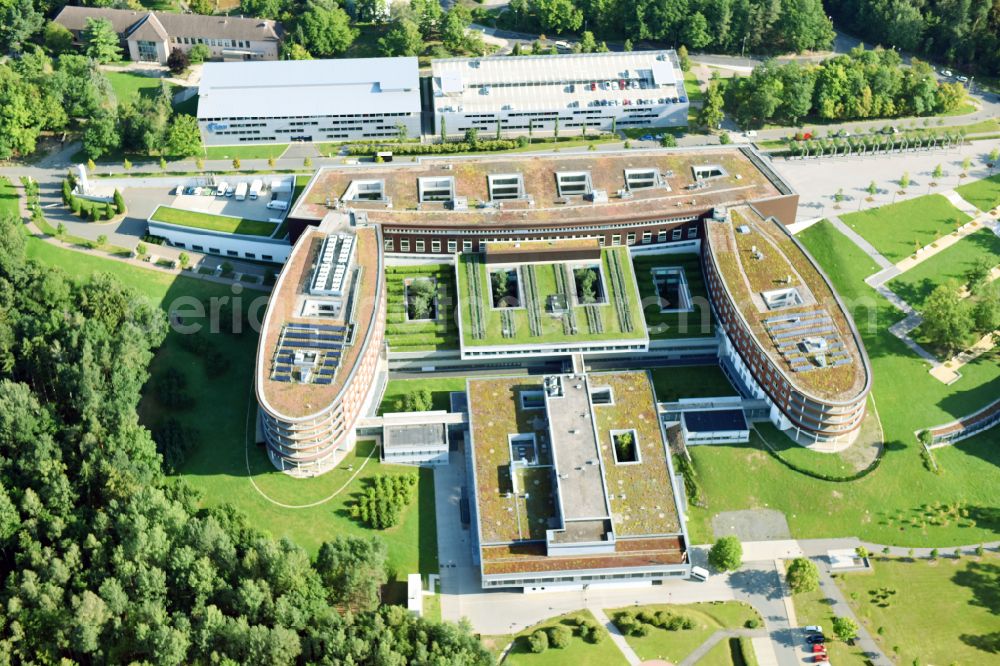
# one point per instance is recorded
(699, 573)
(813, 629)
(815, 638)
(222, 189)
(962, 79)
(819, 648)
(179, 190)
(593, 86)
(947, 72)
(750, 134)
(189, 189)
(646, 137)
(635, 85)
(230, 190)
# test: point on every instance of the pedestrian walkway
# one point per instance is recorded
(958, 202)
(858, 240)
(716, 638)
(943, 243)
(840, 608)
(616, 636)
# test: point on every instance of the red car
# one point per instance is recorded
(621, 84)
(819, 648)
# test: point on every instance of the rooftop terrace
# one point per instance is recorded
(677, 190)
(792, 311)
(291, 309)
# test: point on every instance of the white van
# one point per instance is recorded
(220, 191)
(699, 573)
(241, 192)
(277, 204)
(255, 189)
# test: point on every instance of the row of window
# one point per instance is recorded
(389, 244)
(230, 253)
(221, 43)
(334, 115)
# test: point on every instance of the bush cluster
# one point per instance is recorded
(91, 210)
(638, 624)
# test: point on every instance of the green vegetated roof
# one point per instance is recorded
(222, 223)
(603, 322)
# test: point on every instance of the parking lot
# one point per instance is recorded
(206, 199)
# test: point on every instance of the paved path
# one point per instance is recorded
(858, 240)
(718, 637)
(841, 608)
(616, 636)
(958, 202)
(758, 584)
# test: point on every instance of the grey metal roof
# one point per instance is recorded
(175, 25)
(715, 420)
(309, 87)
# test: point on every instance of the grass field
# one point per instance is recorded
(693, 87)
(8, 199)
(943, 612)
(896, 230)
(129, 86)
(984, 194)
(813, 608)
(695, 381)
(675, 646)
(258, 152)
(885, 506)
(664, 325)
(578, 653)
(222, 413)
(224, 223)
(953, 263)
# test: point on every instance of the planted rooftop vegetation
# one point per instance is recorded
(222, 223)
(549, 302)
(663, 318)
(420, 304)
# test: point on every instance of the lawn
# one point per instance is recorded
(953, 263)
(129, 86)
(8, 199)
(578, 653)
(842, 257)
(813, 608)
(984, 194)
(224, 223)
(898, 229)
(885, 506)
(693, 87)
(405, 335)
(440, 389)
(222, 414)
(255, 152)
(666, 325)
(675, 646)
(943, 612)
(690, 381)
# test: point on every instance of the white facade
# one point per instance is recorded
(233, 246)
(309, 100)
(582, 92)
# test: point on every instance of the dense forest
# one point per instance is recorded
(862, 84)
(963, 33)
(103, 560)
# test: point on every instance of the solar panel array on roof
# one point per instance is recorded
(331, 269)
(308, 353)
(808, 340)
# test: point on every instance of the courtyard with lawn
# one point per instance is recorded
(440, 389)
(559, 302)
(897, 230)
(420, 307)
(672, 632)
(690, 381)
(673, 296)
(943, 611)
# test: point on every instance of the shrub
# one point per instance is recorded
(752, 623)
(559, 636)
(416, 401)
(726, 554)
(538, 642)
(845, 628)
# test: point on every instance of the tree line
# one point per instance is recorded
(722, 26)
(963, 33)
(70, 92)
(859, 85)
(102, 560)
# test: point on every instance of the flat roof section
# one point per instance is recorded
(419, 436)
(677, 195)
(307, 88)
(714, 420)
(530, 83)
(575, 452)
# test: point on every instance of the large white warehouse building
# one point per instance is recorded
(580, 92)
(308, 100)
